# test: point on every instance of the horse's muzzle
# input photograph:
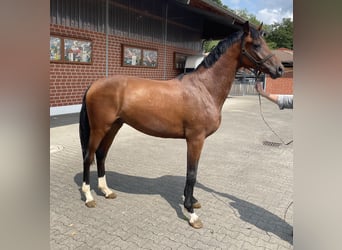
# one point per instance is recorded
(278, 72)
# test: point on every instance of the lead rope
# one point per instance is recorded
(257, 73)
(263, 118)
(287, 210)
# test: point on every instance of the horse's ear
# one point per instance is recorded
(246, 27)
(260, 27)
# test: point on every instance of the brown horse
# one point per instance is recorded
(186, 107)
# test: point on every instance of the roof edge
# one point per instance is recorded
(223, 10)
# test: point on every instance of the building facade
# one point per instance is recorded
(92, 39)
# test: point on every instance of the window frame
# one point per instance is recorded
(179, 57)
(62, 58)
(142, 54)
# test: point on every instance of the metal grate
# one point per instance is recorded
(271, 143)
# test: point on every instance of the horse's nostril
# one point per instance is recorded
(280, 70)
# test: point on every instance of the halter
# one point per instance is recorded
(257, 63)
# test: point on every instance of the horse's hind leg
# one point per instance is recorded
(94, 141)
(101, 154)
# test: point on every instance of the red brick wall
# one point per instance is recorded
(282, 85)
(69, 81)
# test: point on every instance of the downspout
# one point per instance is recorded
(107, 30)
(165, 38)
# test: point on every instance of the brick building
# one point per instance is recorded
(284, 84)
(91, 39)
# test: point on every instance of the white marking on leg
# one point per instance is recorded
(103, 186)
(193, 217)
(87, 193)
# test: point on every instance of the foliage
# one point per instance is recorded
(271, 45)
(281, 34)
(248, 16)
(209, 45)
(219, 2)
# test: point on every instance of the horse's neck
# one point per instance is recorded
(219, 78)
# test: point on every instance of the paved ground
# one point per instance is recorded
(245, 187)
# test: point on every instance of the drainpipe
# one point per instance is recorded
(165, 39)
(107, 30)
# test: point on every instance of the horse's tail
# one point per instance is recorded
(84, 129)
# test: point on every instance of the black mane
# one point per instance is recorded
(223, 45)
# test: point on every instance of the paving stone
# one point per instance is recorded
(244, 187)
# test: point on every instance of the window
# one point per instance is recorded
(179, 61)
(139, 57)
(70, 50)
(150, 58)
(55, 48)
(77, 51)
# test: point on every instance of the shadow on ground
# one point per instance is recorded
(62, 120)
(171, 189)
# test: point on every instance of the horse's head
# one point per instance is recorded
(256, 54)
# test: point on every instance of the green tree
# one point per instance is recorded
(209, 45)
(271, 45)
(281, 34)
(248, 16)
(219, 2)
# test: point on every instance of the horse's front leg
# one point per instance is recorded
(193, 155)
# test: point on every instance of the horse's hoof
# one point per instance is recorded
(196, 205)
(197, 224)
(111, 196)
(91, 204)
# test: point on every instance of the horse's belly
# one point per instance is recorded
(156, 126)
(155, 120)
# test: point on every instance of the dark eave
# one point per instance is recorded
(218, 22)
